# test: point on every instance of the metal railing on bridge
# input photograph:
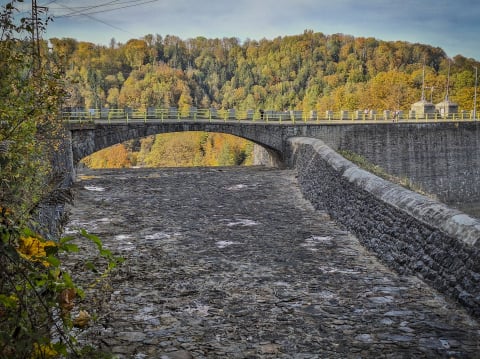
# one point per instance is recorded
(168, 114)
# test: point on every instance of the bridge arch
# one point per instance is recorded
(438, 156)
(90, 138)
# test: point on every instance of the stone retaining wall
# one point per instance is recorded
(51, 215)
(411, 233)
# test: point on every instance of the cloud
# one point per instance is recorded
(451, 25)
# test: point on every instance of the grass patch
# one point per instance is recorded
(363, 163)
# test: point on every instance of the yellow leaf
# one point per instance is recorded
(82, 319)
(44, 351)
(33, 249)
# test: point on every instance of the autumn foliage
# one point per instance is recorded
(309, 71)
(183, 149)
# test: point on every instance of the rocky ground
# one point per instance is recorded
(233, 263)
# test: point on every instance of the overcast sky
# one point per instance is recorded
(453, 25)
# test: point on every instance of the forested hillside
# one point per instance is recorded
(184, 149)
(307, 71)
(310, 71)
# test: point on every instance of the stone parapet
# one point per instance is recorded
(411, 233)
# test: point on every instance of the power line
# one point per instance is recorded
(94, 18)
(51, 2)
(101, 8)
(87, 8)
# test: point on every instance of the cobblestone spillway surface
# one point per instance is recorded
(234, 263)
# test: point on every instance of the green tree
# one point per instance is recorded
(36, 291)
(30, 133)
(136, 53)
(30, 130)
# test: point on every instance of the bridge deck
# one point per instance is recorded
(254, 115)
(72, 122)
(233, 263)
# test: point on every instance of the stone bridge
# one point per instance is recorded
(411, 233)
(442, 157)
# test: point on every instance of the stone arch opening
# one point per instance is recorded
(89, 138)
(172, 149)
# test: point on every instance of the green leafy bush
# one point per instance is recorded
(37, 295)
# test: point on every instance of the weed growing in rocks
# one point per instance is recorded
(362, 162)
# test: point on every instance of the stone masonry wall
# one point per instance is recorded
(409, 232)
(442, 158)
(51, 214)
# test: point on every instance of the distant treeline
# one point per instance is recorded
(310, 71)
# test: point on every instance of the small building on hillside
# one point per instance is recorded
(422, 109)
(446, 108)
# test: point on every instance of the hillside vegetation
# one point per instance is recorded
(309, 71)
(184, 149)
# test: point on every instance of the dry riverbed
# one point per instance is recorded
(234, 263)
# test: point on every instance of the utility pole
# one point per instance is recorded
(448, 83)
(35, 36)
(431, 88)
(36, 10)
(423, 80)
(475, 95)
(447, 101)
